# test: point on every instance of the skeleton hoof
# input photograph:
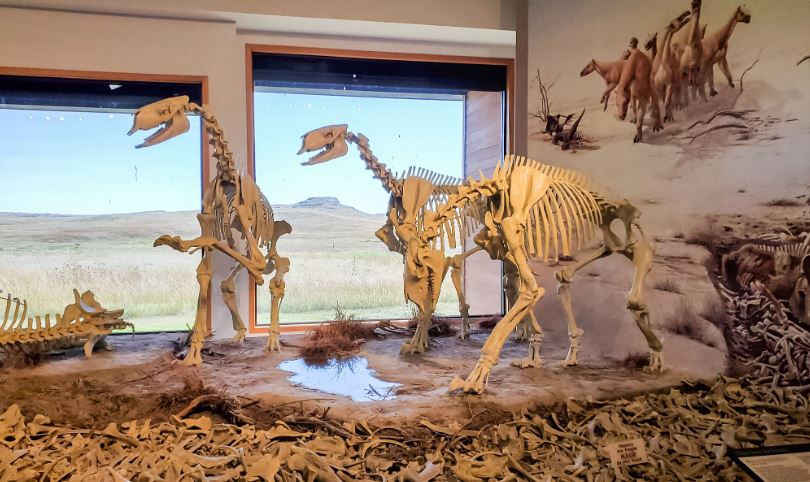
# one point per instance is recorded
(466, 386)
(239, 337)
(637, 138)
(569, 362)
(190, 361)
(273, 344)
(712, 92)
(656, 364)
(528, 362)
(410, 348)
(731, 84)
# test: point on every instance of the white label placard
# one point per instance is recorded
(627, 452)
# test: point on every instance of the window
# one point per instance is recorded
(80, 206)
(414, 114)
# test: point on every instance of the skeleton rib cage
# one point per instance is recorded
(562, 221)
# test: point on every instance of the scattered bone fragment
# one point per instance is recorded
(687, 432)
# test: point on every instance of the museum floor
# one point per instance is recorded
(133, 415)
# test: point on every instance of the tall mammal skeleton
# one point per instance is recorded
(232, 202)
(410, 194)
(533, 209)
(82, 323)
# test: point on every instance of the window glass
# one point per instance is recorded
(80, 208)
(335, 207)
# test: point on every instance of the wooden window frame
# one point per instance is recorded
(251, 49)
(201, 80)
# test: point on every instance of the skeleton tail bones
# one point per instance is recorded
(83, 323)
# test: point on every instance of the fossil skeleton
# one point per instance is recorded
(83, 323)
(232, 202)
(538, 210)
(411, 194)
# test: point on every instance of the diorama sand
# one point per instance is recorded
(138, 380)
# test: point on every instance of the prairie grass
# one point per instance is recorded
(42, 258)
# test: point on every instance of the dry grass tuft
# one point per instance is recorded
(714, 310)
(336, 339)
(489, 323)
(685, 321)
(706, 235)
(439, 326)
(782, 202)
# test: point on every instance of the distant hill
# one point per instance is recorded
(318, 222)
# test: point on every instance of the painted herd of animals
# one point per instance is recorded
(674, 67)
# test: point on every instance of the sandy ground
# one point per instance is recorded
(137, 378)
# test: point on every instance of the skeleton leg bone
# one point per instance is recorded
(421, 338)
(533, 360)
(228, 288)
(457, 266)
(277, 287)
(204, 271)
(512, 287)
(529, 294)
(565, 278)
(641, 254)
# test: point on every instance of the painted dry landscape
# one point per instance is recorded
(336, 260)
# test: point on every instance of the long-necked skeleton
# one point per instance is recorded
(410, 195)
(231, 203)
(534, 209)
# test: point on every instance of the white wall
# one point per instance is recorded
(123, 42)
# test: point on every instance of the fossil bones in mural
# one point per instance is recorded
(83, 323)
(532, 209)
(232, 202)
(406, 206)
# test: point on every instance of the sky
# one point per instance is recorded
(63, 162)
(401, 133)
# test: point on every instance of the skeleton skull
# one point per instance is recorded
(329, 140)
(168, 114)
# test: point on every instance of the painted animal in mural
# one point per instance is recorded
(635, 84)
(715, 48)
(666, 77)
(610, 71)
(232, 203)
(691, 62)
(409, 196)
(82, 323)
(536, 210)
(680, 63)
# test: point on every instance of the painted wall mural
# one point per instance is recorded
(698, 113)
